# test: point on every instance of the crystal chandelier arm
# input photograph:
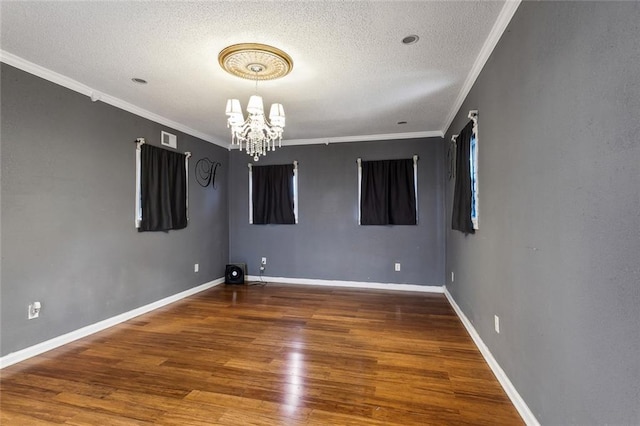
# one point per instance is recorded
(256, 133)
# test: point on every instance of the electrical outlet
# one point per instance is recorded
(496, 323)
(453, 276)
(264, 261)
(397, 267)
(34, 310)
(196, 267)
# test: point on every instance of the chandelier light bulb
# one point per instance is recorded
(276, 115)
(234, 112)
(255, 105)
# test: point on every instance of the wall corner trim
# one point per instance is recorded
(500, 26)
(21, 355)
(352, 284)
(512, 393)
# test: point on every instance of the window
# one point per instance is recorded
(387, 192)
(473, 164)
(161, 188)
(465, 211)
(273, 194)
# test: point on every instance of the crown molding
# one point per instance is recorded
(95, 95)
(76, 86)
(364, 138)
(507, 12)
(361, 138)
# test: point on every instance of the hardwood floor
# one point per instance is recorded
(273, 355)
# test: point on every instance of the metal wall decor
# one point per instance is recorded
(205, 172)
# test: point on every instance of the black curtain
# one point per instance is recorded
(272, 194)
(388, 193)
(163, 189)
(461, 218)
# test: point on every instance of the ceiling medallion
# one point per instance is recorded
(255, 61)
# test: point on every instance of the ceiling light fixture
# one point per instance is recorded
(254, 61)
(410, 39)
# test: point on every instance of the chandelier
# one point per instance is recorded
(254, 61)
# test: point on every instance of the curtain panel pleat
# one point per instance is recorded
(461, 216)
(388, 193)
(272, 194)
(163, 189)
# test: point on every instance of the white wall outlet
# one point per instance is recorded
(196, 267)
(496, 323)
(453, 276)
(263, 261)
(34, 310)
(397, 267)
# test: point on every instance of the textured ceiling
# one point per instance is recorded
(351, 77)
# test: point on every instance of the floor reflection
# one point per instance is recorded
(295, 380)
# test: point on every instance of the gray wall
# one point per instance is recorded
(557, 256)
(68, 235)
(327, 243)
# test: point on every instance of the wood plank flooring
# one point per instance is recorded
(272, 355)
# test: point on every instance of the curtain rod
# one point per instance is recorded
(473, 115)
(141, 141)
(295, 164)
(415, 157)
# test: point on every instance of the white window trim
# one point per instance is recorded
(473, 115)
(187, 155)
(138, 212)
(250, 194)
(138, 218)
(415, 187)
(295, 192)
(359, 160)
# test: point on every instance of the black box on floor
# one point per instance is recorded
(235, 273)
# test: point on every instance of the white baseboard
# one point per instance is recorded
(56, 342)
(355, 284)
(506, 384)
